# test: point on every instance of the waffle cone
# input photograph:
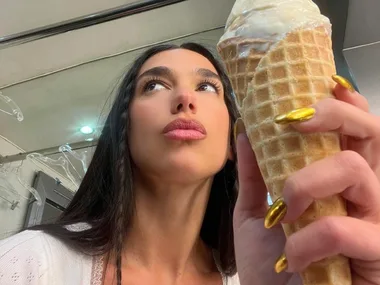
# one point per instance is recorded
(241, 62)
(294, 73)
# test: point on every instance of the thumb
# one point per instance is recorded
(252, 195)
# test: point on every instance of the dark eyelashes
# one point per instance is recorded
(214, 84)
(149, 81)
(156, 80)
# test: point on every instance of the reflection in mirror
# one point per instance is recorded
(71, 154)
(61, 162)
(10, 178)
(7, 191)
(13, 203)
(7, 103)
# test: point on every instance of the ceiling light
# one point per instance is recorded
(87, 130)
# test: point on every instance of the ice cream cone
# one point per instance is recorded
(296, 73)
(278, 56)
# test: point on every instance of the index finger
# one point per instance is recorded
(352, 97)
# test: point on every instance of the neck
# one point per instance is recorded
(165, 230)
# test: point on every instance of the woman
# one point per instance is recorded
(159, 199)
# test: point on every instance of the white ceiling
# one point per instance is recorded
(19, 16)
(51, 54)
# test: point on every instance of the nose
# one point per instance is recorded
(184, 101)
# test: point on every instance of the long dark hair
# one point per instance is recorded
(106, 199)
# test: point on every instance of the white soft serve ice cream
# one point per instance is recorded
(272, 19)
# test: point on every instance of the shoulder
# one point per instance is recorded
(26, 242)
(23, 258)
(34, 257)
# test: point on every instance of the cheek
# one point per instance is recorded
(145, 118)
(219, 126)
(142, 125)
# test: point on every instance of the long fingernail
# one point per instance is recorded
(281, 264)
(238, 128)
(298, 115)
(343, 82)
(275, 213)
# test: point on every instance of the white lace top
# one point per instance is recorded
(36, 258)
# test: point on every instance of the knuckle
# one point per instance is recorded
(293, 184)
(361, 102)
(292, 251)
(377, 128)
(365, 104)
(330, 105)
(353, 162)
(331, 101)
(324, 235)
(331, 233)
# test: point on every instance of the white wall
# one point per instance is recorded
(12, 221)
(362, 49)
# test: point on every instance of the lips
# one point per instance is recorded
(182, 129)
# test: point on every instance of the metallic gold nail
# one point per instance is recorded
(298, 115)
(275, 213)
(343, 82)
(238, 128)
(281, 264)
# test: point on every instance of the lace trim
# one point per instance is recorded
(97, 270)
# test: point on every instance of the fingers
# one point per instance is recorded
(347, 236)
(346, 174)
(345, 92)
(335, 115)
(252, 196)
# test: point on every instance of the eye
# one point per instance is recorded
(153, 86)
(207, 87)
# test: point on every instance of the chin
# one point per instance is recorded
(181, 165)
(191, 167)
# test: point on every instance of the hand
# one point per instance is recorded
(256, 247)
(353, 173)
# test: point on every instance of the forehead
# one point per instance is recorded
(178, 60)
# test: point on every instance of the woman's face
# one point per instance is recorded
(179, 120)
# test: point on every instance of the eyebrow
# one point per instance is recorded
(158, 71)
(163, 71)
(207, 73)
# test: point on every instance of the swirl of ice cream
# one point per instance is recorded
(272, 19)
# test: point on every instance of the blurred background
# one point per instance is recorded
(61, 61)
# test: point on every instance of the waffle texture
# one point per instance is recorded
(241, 62)
(294, 73)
